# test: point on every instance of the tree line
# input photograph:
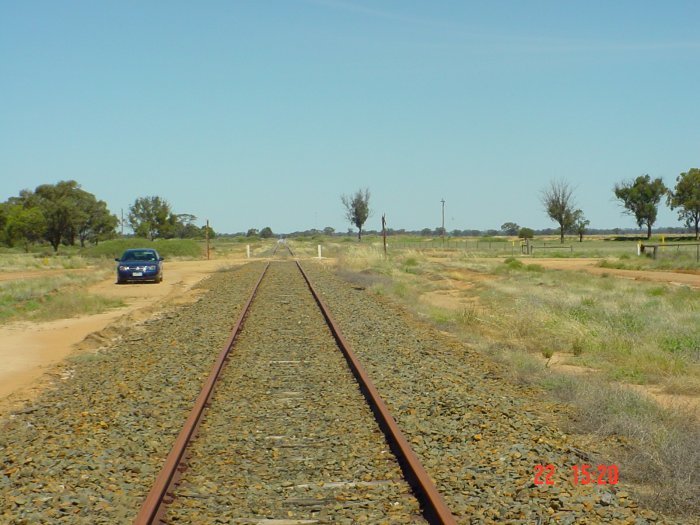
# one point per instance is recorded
(639, 197)
(65, 214)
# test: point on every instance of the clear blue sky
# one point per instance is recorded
(260, 113)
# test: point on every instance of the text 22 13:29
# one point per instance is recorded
(581, 474)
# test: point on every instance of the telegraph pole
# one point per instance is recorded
(384, 232)
(443, 221)
(206, 234)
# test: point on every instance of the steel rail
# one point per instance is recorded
(153, 508)
(436, 510)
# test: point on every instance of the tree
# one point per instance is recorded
(182, 226)
(59, 213)
(150, 217)
(95, 223)
(686, 196)
(62, 206)
(580, 223)
(558, 202)
(253, 232)
(641, 198)
(426, 232)
(510, 228)
(24, 224)
(357, 209)
(328, 231)
(203, 230)
(526, 233)
(266, 232)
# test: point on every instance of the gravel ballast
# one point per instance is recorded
(87, 450)
(474, 432)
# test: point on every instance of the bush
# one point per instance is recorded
(166, 247)
(526, 233)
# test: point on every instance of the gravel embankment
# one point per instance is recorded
(475, 433)
(289, 436)
(87, 451)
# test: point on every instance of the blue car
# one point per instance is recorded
(140, 264)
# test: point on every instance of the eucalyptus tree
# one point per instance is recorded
(558, 202)
(686, 197)
(150, 217)
(641, 198)
(579, 225)
(357, 209)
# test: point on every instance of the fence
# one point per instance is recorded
(657, 248)
(499, 247)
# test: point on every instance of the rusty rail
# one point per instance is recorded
(153, 507)
(436, 510)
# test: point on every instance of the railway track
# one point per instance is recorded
(285, 253)
(287, 436)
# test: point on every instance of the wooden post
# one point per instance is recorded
(207, 237)
(384, 232)
(443, 222)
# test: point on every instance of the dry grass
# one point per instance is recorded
(628, 331)
(12, 262)
(662, 453)
(47, 298)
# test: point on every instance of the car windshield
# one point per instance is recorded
(139, 255)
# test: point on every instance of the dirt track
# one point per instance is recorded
(589, 265)
(30, 349)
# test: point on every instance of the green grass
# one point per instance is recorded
(48, 298)
(637, 332)
(168, 248)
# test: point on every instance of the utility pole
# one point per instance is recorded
(206, 234)
(384, 232)
(443, 221)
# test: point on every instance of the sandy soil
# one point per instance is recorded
(589, 265)
(29, 350)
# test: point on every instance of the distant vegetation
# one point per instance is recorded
(153, 218)
(64, 214)
(166, 247)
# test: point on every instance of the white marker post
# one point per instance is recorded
(319, 251)
(247, 250)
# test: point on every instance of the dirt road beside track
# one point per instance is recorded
(28, 350)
